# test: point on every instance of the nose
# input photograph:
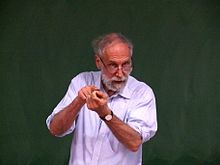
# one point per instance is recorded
(119, 72)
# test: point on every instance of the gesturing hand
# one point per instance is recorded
(97, 102)
(85, 92)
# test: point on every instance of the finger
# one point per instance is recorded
(99, 97)
(90, 103)
(92, 87)
(81, 97)
(94, 95)
(100, 94)
(86, 92)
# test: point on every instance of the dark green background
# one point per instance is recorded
(44, 43)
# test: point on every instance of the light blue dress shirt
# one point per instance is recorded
(93, 142)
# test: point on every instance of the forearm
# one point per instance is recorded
(63, 120)
(125, 134)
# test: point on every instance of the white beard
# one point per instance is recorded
(110, 85)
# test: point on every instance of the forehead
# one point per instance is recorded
(117, 51)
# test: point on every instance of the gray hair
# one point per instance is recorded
(102, 42)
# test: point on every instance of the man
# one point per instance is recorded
(111, 113)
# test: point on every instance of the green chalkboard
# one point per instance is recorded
(43, 44)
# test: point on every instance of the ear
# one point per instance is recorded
(97, 61)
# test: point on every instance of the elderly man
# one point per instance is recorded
(111, 113)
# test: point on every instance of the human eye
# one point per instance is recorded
(113, 65)
(126, 64)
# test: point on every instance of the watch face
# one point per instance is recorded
(108, 117)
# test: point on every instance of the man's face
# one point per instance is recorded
(115, 66)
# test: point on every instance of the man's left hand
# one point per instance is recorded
(98, 102)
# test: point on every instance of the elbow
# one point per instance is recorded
(53, 130)
(134, 147)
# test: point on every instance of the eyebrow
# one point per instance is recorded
(129, 60)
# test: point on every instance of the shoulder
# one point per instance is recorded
(86, 78)
(139, 88)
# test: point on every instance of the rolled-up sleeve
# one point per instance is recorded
(142, 115)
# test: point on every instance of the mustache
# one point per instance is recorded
(118, 79)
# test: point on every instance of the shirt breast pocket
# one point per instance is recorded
(120, 108)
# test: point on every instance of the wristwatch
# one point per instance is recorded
(107, 117)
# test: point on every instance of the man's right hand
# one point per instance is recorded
(63, 120)
(86, 92)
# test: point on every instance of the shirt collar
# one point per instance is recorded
(126, 92)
